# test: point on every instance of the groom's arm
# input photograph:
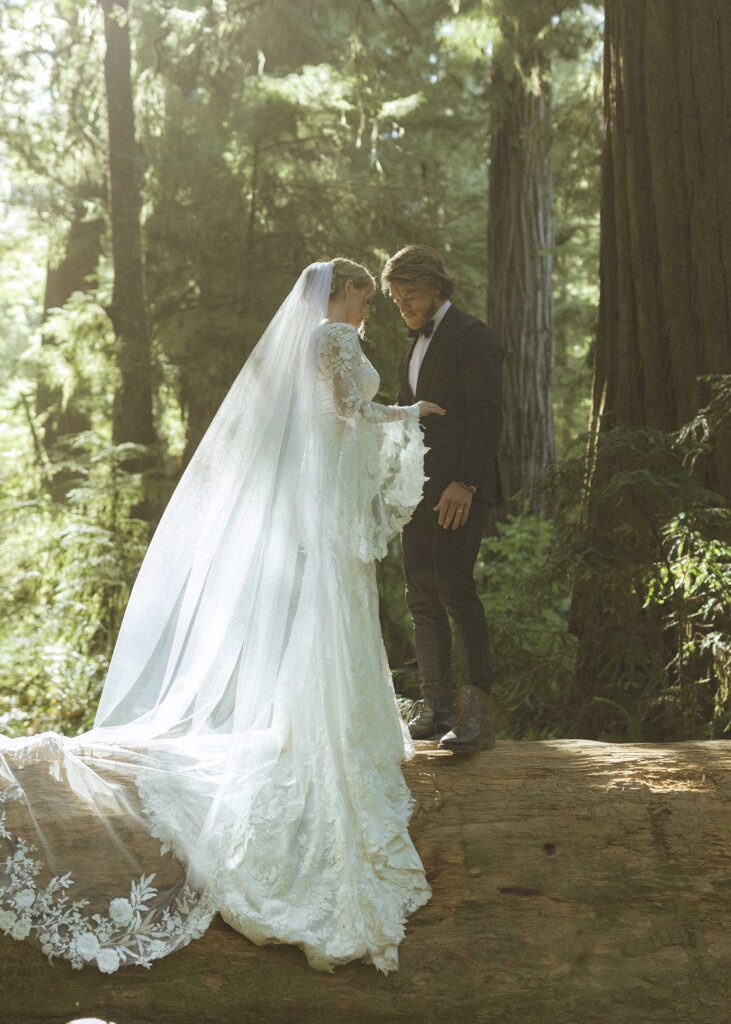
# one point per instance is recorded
(480, 356)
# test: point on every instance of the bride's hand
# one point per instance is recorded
(427, 407)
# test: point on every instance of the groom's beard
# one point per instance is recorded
(423, 318)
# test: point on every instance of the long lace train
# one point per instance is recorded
(247, 750)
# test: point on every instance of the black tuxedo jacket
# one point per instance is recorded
(462, 372)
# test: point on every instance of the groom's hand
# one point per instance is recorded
(454, 505)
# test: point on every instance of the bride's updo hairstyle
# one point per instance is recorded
(348, 270)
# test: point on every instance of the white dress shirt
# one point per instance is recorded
(422, 344)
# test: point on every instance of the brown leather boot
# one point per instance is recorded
(428, 719)
(474, 725)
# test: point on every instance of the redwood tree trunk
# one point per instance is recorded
(520, 239)
(665, 262)
(665, 259)
(133, 419)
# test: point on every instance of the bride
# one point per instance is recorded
(245, 756)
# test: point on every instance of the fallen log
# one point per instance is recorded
(574, 883)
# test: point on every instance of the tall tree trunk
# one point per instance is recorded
(665, 268)
(519, 243)
(665, 259)
(133, 418)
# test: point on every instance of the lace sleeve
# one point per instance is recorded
(339, 355)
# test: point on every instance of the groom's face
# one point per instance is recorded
(416, 303)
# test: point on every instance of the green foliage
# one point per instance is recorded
(648, 557)
(527, 611)
(78, 356)
(692, 590)
(67, 571)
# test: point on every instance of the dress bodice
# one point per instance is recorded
(349, 380)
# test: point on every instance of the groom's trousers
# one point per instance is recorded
(438, 564)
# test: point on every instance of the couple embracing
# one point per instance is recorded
(248, 721)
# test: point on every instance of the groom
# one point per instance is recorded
(454, 360)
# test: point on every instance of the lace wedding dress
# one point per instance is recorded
(246, 754)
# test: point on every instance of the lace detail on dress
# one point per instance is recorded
(320, 857)
(315, 850)
(130, 933)
(377, 450)
(341, 360)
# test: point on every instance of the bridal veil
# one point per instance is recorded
(119, 845)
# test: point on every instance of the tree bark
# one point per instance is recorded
(665, 257)
(133, 416)
(665, 270)
(572, 881)
(519, 245)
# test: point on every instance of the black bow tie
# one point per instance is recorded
(427, 330)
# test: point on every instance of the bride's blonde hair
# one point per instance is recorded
(348, 270)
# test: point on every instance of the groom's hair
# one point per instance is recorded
(419, 265)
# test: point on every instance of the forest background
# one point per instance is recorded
(168, 170)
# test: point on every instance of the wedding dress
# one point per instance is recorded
(245, 757)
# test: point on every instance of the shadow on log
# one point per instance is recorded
(574, 883)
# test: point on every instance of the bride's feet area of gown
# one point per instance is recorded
(338, 873)
(321, 857)
(333, 871)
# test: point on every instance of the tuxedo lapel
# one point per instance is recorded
(439, 339)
